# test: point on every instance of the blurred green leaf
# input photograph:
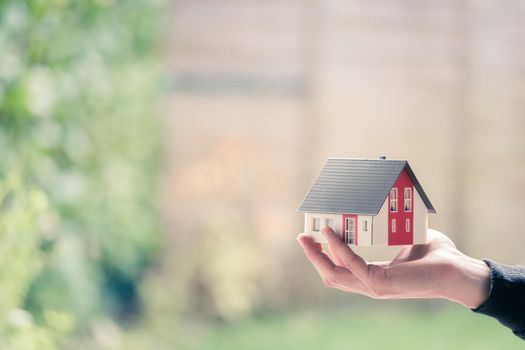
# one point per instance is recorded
(79, 165)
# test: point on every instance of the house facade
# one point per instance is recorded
(368, 202)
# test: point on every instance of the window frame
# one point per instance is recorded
(407, 200)
(350, 234)
(393, 208)
(316, 220)
(393, 225)
(365, 225)
(329, 222)
(407, 225)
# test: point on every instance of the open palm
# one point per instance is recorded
(433, 270)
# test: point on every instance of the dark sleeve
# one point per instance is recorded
(506, 301)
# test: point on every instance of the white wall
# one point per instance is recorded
(380, 224)
(364, 238)
(420, 220)
(318, 236)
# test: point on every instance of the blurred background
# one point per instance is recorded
(154, 152)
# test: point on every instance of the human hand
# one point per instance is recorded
(433, 270)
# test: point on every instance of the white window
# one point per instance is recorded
(408, 199)
(407, 225)
(365, 225)
(329, 222)
(316, 224)
(393, 200)
(394, 225)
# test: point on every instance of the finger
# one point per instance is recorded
(437, 238)
(331, 274)
(305, 240)
(350, 259)
(314, 253)
(337, 260)
(350, 283)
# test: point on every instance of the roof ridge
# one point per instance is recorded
(368, 159)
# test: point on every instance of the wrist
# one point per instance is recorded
(471, 283)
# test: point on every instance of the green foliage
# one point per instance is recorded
(24, 210)
(79, 163)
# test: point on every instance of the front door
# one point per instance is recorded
(350, 229)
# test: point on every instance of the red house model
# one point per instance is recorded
(368, 202)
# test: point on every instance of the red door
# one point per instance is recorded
(350, 228)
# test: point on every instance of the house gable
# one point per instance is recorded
(419, 188)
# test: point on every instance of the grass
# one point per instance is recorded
(382, 326)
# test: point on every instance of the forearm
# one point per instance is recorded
(470, 285)
(506, 301)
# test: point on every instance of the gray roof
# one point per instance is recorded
(358, 186)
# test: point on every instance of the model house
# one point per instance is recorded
(368, 202)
